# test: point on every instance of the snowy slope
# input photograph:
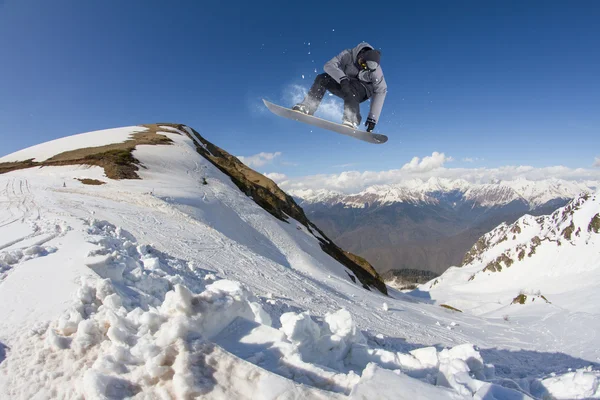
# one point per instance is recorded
(178, 285)
(543, 271)
(555, 255)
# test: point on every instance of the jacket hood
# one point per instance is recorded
(358, 48)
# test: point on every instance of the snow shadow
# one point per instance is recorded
(116, 388)
(395, 344)
(519, 370)
(3, 349)
(419, 294)
(532, 364)
(266, 348)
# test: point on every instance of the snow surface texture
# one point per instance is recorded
(169, 288)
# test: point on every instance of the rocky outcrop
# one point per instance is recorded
(522, 239)
(282, 206)
(407, 279)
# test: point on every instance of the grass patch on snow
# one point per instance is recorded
(116, 158)
(87, 181)
(450, 307)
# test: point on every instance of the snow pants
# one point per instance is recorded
(323, 83)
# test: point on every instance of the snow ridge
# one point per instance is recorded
(551, 257)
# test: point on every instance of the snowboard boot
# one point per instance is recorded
(301, 108)
(350, 124)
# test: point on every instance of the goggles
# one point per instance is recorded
(369, 65)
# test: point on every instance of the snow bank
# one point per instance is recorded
(101, 349)
(581, 384)
(384, 384)
(458, 372)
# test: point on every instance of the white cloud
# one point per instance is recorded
(436, 160)
(356, 181)
(276, 176)
(260, 159)
(597, 162)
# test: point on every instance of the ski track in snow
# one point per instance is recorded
(143, 266)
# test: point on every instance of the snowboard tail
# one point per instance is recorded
(365, 136)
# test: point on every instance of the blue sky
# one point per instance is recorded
(497, 83)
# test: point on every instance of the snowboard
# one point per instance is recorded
(325, 124)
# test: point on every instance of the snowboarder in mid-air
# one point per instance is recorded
(355, 75)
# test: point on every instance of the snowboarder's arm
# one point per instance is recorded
(377, 101)
(335, 66)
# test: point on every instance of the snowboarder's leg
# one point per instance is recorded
(321, 84)
(352, 102)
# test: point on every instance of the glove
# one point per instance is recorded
(370, 124)
(346, 87)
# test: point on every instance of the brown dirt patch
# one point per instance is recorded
(116, 158)
(450, 307)
(87, 181)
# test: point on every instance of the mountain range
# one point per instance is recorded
(429, 224)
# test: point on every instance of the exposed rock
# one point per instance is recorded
(568, 231)
(520, 299)
(594, 225)
(282, 206)
(496, 265)
(407, 279)
(531, 298)
(478, 248)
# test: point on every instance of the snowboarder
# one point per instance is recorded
(354, 75)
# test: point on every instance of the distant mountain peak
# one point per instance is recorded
(571, 225)
(495, 193)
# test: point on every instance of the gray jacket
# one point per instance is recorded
(345, 64)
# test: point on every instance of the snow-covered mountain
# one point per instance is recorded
(499, 193)
(554, 259)
(145, 262)
(428, 225)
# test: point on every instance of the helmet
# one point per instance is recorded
(370, 59)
